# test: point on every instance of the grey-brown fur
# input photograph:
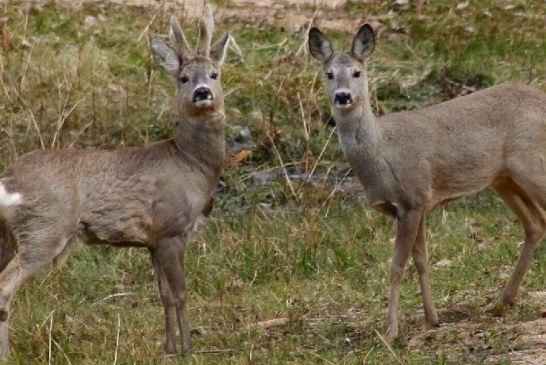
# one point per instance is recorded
(411, 162)
(152, 196)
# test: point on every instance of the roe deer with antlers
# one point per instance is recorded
(152, 196)
(411, 162)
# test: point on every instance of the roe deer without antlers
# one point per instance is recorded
(152, 196)
(411, 162)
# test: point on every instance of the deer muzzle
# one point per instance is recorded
(343, 98)
(202, 96)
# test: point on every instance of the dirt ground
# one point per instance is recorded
(469, 331)
(460, 330)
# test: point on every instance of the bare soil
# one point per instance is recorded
(467, 331)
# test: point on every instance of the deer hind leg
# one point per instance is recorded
(420, 258)
(35, 250)
(531, 215)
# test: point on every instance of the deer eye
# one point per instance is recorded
(214, 75)
(356, 74)
(330, 75)
(183, 79)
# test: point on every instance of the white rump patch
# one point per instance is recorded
(8, 199)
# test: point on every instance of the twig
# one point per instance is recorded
(79, 134)
(272, 323)
(204, 352)
(231, 91)
(49, 357)
(306, 132)
(215, 351)
(18, 93)
(235, 47)
(117, 341)
(26, 67)
(150, 23)
(116, 295)
(278, 46)
(304, 43)
(328, 198)
(305, 127)
(320, 357)
(62, 118)
(367, 354)
(3, 72)
(388, 347)
(287, 178)
(62, 351)
(34, 122)
(310, 175)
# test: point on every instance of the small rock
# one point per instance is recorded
(462, 6)
(256, 116)
(199, 331)
(90, 20)
(241, 133)
(261, 178)
(443, 263)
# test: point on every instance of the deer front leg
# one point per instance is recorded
(169, 255)
(168, 305)
(420, 258)
(406, 234)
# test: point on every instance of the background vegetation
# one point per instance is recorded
(292, 268)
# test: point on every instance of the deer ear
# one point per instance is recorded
(319, 46)
(364, 42)
(165, 56)
(218, 49)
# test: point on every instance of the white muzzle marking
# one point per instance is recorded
(343, 106)
(203, 103)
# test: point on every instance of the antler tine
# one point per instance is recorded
(178, 39)
(206, 28)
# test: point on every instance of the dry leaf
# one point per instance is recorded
(239, 158)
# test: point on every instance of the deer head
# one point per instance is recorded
(345, 74)
(197, 73)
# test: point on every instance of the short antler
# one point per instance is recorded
(206, 28)
(180, 44)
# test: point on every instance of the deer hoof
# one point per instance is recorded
(500, 308)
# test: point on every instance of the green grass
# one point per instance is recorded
(317, 262)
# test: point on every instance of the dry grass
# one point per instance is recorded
(288, 272)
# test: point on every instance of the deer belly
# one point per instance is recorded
(132, 231)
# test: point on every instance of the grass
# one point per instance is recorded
(282, 273)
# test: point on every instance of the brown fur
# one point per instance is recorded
(409, 163)
(152, 196)
(8, 245)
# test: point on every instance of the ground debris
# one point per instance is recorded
(480, 340)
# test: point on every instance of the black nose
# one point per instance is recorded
(343, 98)
(202, 93)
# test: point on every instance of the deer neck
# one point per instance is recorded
(201, 143)
(360, 135)
(358, 127)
